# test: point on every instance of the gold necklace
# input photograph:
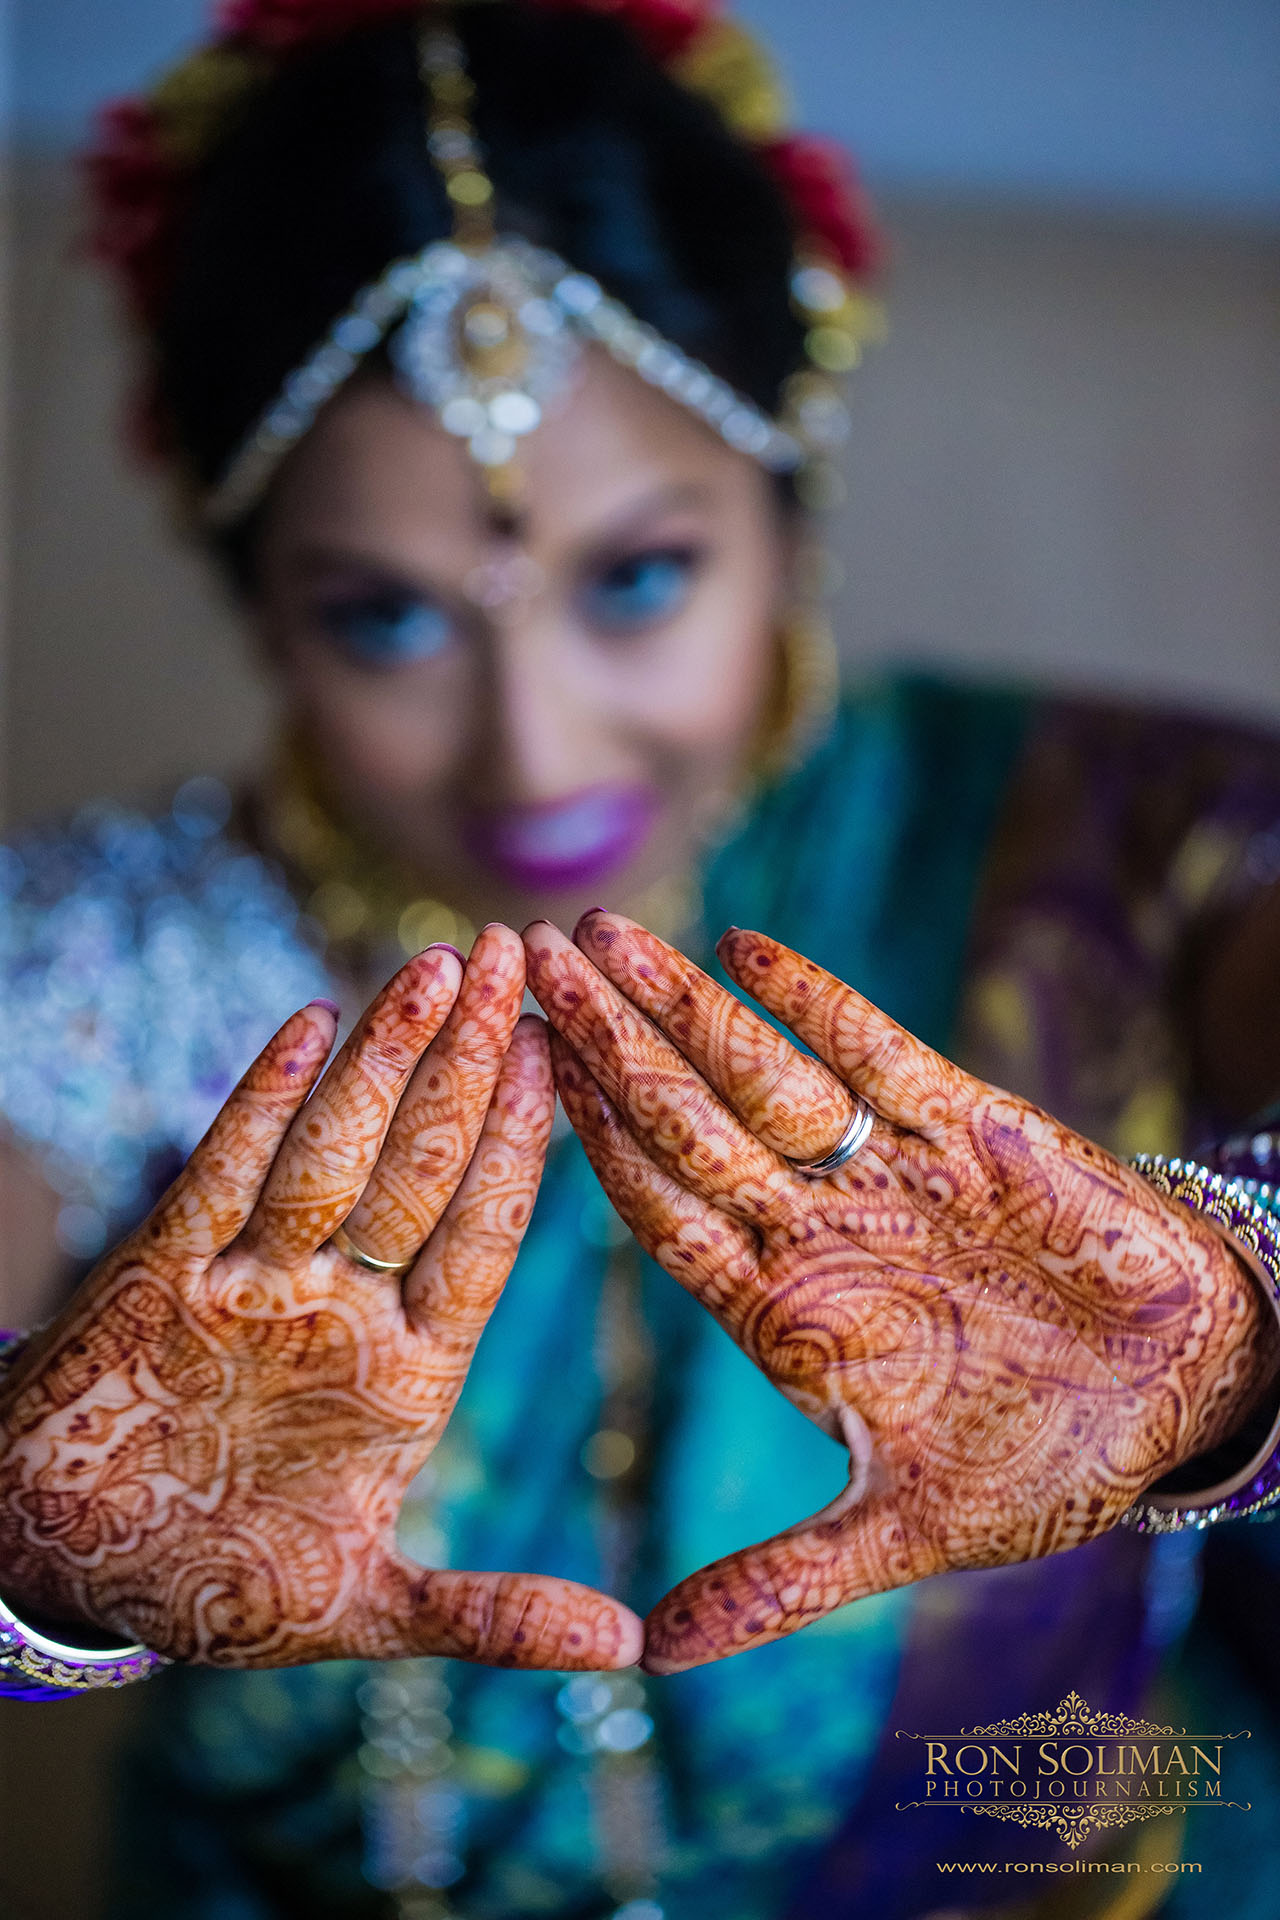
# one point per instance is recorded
(368, 904)
(365, 902)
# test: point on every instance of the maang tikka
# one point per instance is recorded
(486, 330)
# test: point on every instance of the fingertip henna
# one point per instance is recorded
(293, 1057)
(557, 972)
(482, 1018)
(497, 955)
(583, 932)
(744, 954)
(432, 976)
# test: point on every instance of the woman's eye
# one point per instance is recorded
(386, 629)
(641, 590)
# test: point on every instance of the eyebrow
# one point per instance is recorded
(599, 547)
(667, 497)
(312, 560)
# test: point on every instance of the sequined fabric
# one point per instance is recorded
(144, 961)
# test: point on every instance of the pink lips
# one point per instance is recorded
(564, 843)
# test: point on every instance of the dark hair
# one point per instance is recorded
(593, 149)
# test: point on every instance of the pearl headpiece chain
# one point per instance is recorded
(488, 329)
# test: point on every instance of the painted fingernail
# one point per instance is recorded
(442, 946)
(330, 1006)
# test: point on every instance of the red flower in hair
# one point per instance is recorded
(818, 179)
(665, 26)
(280, 25)
(136, 190)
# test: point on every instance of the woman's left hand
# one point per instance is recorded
(207, 1451)
(1013, 1333)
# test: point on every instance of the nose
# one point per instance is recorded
(538, 732)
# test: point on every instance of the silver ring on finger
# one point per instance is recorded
(345, 1245)
(850, 1143)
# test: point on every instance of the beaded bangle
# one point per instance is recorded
(1253, 1232)
(33, 1665)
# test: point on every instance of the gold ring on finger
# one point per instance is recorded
(342, 1241)
(851, 1142)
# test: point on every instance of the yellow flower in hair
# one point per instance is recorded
(195, 102)
(729, 67)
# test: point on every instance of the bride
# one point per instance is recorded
(495, 354)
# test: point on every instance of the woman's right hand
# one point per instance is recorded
(208, 1450)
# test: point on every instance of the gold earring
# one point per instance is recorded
(804, 694)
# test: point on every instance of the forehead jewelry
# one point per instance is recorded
(486, 330)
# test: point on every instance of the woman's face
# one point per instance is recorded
(536, 729)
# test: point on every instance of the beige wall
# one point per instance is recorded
(1064, 465)
(1066, 461)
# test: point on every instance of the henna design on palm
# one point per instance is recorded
(1011, 1331)
(209, 1449)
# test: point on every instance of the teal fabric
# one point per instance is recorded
(868, 861)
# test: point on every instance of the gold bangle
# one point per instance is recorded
(35, 1665)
